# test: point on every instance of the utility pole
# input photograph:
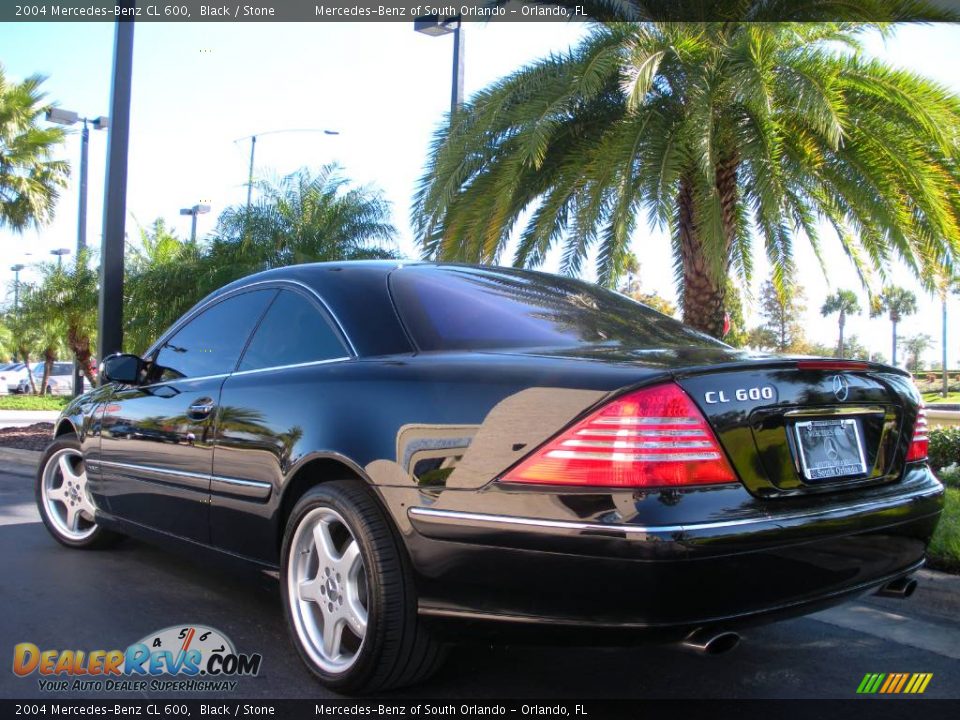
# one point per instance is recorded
(110, 336)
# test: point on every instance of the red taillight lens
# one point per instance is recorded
(653, 437)
(919, 445)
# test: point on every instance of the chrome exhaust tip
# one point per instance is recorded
(711, 641)
(900, 588)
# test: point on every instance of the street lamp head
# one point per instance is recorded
(100, 123)
(186, 211)
(60, 252)
(434, 25)
(17, 268)
(331, 132)
(201, 209)
(61, 116)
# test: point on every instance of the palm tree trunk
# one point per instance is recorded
(80, 346)
(843, 321)
(47, 369)
(893, 352)
(704, 294)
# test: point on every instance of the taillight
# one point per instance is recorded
(919, 445)
(653, 437)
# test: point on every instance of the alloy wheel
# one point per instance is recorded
(327, 590)
(65, 496)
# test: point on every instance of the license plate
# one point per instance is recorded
(830, 448)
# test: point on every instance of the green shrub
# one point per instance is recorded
(944, 551)
(944, 447)
(950, 476)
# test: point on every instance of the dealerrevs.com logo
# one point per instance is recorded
(178, 658)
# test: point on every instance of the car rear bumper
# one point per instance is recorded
(794, 558)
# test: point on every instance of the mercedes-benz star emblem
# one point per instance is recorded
(841, 387)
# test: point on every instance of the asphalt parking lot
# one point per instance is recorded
(57, 598)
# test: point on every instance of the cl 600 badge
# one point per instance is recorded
(766, 392)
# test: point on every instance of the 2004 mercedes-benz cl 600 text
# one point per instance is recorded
(419, 447)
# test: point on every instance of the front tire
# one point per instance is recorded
(349, 596)
(63, 498)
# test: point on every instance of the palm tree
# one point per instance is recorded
(161, 284)
(916, 346)
(845, 303)
(69, 293)
(303, 218)
(30, 181)
(720, 131)
(897, 302)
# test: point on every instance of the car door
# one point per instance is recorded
(157, 438)
(266, 407)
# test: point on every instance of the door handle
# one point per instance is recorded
(201, 408)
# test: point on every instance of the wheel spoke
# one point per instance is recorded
(355, 615)
(68, 472)
(309, 589)
(324, 541)
(58, 494)
(332, 634)
(350, 560)
(73, 517)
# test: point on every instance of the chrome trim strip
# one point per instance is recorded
(457, 516)
(153, 468)
(251, 488)
(293, 365)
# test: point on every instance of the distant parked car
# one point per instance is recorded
(12, 374)
(60, 381)
(4, 388)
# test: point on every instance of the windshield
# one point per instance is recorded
(459, 308)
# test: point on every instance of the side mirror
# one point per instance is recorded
(122, 368)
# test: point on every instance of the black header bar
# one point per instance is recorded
(480, 10)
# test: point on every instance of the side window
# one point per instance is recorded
(293, 331)
(211, 343)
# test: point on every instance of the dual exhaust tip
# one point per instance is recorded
(711, 641)
(900, 588)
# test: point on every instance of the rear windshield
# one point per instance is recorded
(454, 308)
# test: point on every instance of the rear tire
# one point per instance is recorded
(348, 593)
(64, 502)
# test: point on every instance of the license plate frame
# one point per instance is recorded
(827, 456)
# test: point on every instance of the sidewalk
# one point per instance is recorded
(22, 418)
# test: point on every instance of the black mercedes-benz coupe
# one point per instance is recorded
(424, 450)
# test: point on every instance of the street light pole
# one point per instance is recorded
(456, 93)
(16, 292)
(16, 287)
(198, 209)
(60, 252)
(435, 26)
(69, 117)
(253, 149)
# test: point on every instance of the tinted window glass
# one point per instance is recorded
(293, 331)
(211, 343)
(469, 309)
(62, 368)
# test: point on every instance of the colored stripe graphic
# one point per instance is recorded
(894, 683)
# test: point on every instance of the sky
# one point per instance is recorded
(199, 88)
